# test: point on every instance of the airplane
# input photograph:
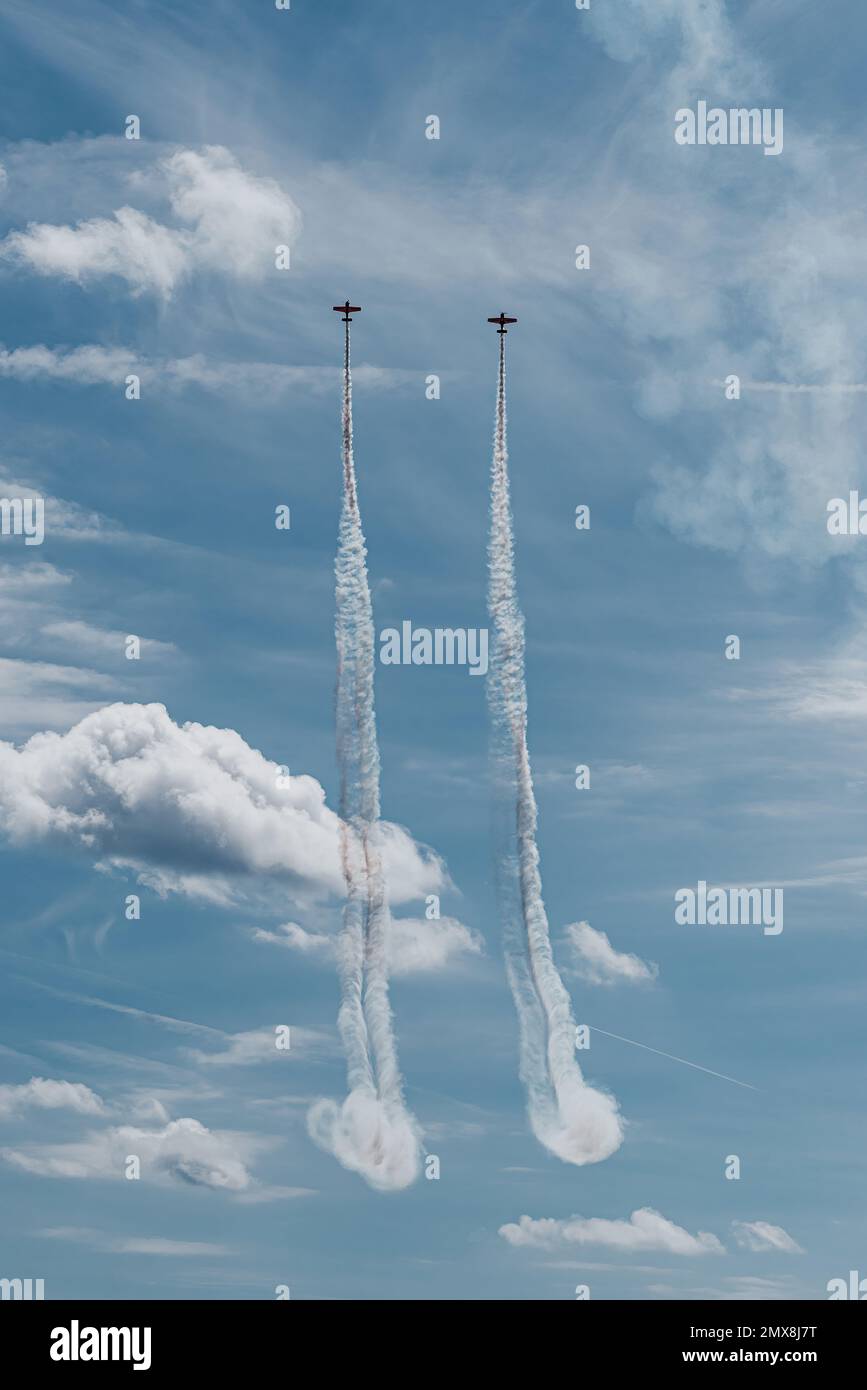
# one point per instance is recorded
(502, 320)
(346, 310)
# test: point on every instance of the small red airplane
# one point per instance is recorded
(346, 310)
(502, 320)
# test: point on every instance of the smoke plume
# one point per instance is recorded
(372, 1132)
(571, 1118)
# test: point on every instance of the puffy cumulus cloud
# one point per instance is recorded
(192, 809)
(416, 946)
(646, 1229)
(600, 964)
(41, 1094)
(759, 1236)
(129, 244)
(181, 1151)
(238, 219)
(230, 221)
(368, 1136)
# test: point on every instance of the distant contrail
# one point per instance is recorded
(372, 1132)
(671, 1057)
(827, 388)
(571, 1118)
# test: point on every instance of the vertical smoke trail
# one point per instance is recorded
(351, 584)
(372, 1132)
(571, 1118)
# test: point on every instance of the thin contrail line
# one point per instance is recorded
(819, 388)
(672, 1058)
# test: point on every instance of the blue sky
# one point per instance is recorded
(708, 519)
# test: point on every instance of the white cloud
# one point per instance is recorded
(159, 1245)
(192, 809)
(64, 519)
(600, 964)
(735, 1288)
(295, 938)
(416, 946)
(698, 31)
(47, 694)
(238, 218)
(41, 1094)
(833, 690)
(92, 365)
(260, 1045)
(761, 1235)
(24, 675)
(101, 642)
(29, 579)
(128, 244)
(412, 231)
(646, 1229)
(89, 365)
(770, 461)
(181, 1151)
(230, 222)
(134, 1245)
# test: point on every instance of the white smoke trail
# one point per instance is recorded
(372, 1132)
(571, 1118)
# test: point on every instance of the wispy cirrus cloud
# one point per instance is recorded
(102, 642)
(65, 519)
(135, 1245)
(227, 1049)
(761, 1236)
(260, 1045)
(699, 32)
(95, 365)
(688, 279)
(49, 695)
